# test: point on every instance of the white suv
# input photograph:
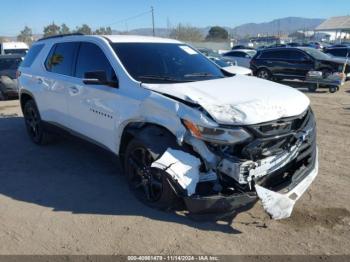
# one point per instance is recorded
(183, 128)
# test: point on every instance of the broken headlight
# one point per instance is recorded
(217, 135)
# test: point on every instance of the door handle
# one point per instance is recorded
(74, 89)
(39, 81)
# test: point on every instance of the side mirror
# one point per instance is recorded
(98, 78)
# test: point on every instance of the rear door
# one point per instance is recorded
(91, 107)
(56, 82)
(299, 63)
(275, 61)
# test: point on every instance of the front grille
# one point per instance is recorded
(275, 137)
(270, 138)
(281, 126)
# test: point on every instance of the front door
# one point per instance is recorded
(92, 107)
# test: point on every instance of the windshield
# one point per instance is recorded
(15, 51)
(316, 53)
(251, 53)
(164, 62)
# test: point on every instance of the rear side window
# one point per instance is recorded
(337, 52)
(32, 54)
(276, 54)
(235, 54)
(296, 55)
(91, 58)
(61, 58)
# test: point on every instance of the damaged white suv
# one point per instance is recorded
(185, 129)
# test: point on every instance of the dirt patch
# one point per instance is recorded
(325, 217)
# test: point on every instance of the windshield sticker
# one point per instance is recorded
(188, 50)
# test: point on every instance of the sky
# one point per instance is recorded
(200, 13)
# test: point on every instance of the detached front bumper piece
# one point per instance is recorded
(280, 204)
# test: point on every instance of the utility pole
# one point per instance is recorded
(152, 11)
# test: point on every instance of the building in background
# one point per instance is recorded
(335, 28)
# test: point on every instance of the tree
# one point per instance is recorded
(84, 29)
(217, 33)
(25, 35)
(103, 31)
(64, 29)
(186, 33)
(51, 30)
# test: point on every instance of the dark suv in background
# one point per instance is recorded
(294, 63)
(8, 81)
(338, 51)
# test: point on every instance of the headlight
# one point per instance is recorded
(217, 135)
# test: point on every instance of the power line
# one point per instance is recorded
(129, 18)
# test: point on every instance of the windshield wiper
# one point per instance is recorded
(162, 78)
(199, 74)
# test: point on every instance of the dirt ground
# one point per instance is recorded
(71, 198)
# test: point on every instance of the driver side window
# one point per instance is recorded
(90, 59)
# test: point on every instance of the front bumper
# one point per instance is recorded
(280, 204)
(278, 183)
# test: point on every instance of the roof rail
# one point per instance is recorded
(56, 36)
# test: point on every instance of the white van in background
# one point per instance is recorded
(8, 48)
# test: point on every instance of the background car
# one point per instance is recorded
(8, 48)
(241, 47)
(294, 63)
(231, 68)
(226, 65)
(241, 56)
(8, 81)
(338, 51)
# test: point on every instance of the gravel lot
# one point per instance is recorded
(71, 198)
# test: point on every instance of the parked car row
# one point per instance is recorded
(298, 63)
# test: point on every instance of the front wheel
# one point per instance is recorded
(264, 74)
(149, 185)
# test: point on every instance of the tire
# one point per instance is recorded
(150, 185)
(34, 124)
(2, 97)
(333, 89)
(264, 73)
(312, 88)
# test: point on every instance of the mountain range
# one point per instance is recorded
(285, 25)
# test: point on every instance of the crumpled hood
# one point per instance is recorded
(239, 100)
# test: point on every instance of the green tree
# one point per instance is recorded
(103, 31)
(186, 33)
(84, 29)
(26, 35)
(51, 30)
(64, 29)
(217, 33)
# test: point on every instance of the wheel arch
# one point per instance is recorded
(24, 97)
(263, 68)
(147, 132)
